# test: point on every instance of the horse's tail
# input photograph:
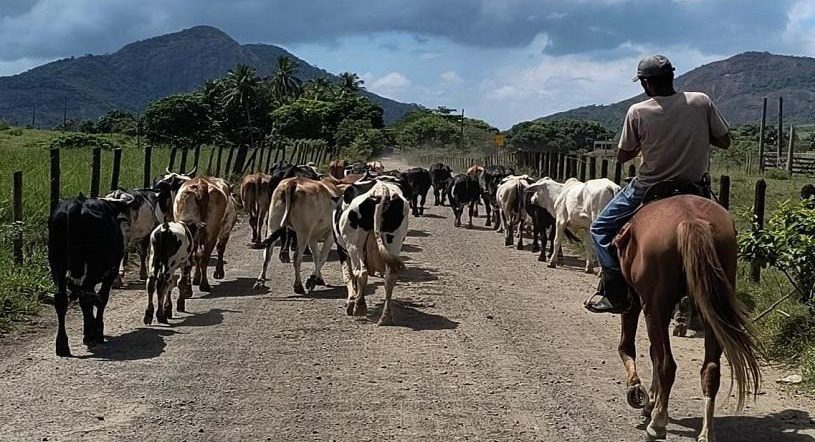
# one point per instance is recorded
(715, 297)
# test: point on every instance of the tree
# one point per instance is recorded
(285, 86)
(117, 122)
(350, 83)
(318, 89)
(557, 136)
(240, 93)
(181, 118)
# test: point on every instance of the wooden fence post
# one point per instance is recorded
(17, 216)
(183, 166)
(758, 219)
(96, 165)
(780, 131)
(559, 166)
(583, 166)
(55, 172)
(724, 191)
(761, 135)
(604, 168)
(229, 160)
(218, 161)
(592, 167)
(148, 164)
(196, 156)
(171, 163)
(209, 161)
(540, 164)
(618, 172)
(791, 150)
(117, 168)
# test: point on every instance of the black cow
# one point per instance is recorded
(280, 172)
(463, 190)
(419, 180)
(490, 180)
(440, 176)
(85, 247)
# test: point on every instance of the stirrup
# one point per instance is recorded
(603, 305)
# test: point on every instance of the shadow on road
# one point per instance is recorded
(418, 274)
(480, 228)
(434, 216)
(214, 316)
(327, 292)
(418, 233)
(142, 343)
(406, 313)
(410, 248)
(228, 289)
(784, 426)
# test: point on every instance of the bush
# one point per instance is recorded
(4, 125)
(81, 140)
(16, 132)
(776, 174)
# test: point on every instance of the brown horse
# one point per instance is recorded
(684, 245)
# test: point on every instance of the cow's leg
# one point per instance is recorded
(324, 252)
(311, 282)
(219, 265)
(102, 302)
(457, 214)
(499, 224)
(360, 306)
(520, 245)
(488, 211)
(298, 261)
(61, 307)
(390, 282)
(350, 285)
(203, 263)
(510, 229)
(414, 204)
(267, 256)
(711, 373)
(421, 206)
(184, 287)
(151, 289)
(589, 252)
(470, 221)
(436, 196)
(144, 247)
(549, 236)
(86, 302)
(285, 241)
(560, 228)
(253, 224)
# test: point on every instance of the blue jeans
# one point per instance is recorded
(613, 217)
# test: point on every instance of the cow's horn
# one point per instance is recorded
(192, 172)
(167, 169)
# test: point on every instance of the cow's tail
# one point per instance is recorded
(715, 298)
(520, 201)
(394, 262)
(163, 237)
(258, 188)
(74, 243)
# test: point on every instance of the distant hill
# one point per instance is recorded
(737, 85)
(143, 71)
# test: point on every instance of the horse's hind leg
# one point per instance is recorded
(664, 369)
(636, 394)
(710, 384)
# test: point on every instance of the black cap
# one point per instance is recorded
(652, 66)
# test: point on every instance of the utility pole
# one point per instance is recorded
(462, 128)
(780, 130)
(34, 115)
(761, 135)
(65, 114)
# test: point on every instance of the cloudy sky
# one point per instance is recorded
(501, 60)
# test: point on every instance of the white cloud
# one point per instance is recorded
(451, 77)
(391, 85)
(800, 26)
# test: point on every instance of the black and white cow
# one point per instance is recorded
(137, 223)
(165, 188)
(171, 247)
(419, 180)
(370, 230)
(463, 190)
(808, 193)
(85, 247)
(489, 181)
(511, 201)
(440, 176)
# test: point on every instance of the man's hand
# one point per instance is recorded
(721, 142)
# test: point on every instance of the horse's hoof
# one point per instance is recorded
(219, 274)
(349, 308)
(298, 288)
(148, 317)
(654, 433)
(204, 287)
(637, 397)
(161, 319)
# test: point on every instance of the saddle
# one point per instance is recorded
(667, 189)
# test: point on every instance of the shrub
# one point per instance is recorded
(776, 174)
(16, 132)
(81, 140)
(4, 125)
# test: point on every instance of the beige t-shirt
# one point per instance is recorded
(673, 133)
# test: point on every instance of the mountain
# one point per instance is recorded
(143, 71)
(737, 86)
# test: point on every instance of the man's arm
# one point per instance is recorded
(629, 146)
(719, 129)
(721, 142)
(626, 155)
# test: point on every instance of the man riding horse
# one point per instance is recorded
(673, 131)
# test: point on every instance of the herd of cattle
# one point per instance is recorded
(362, 208)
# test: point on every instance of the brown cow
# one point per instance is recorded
(336, 168)
(256, 194)
(305, 206)
(476, 171)
(208, 201)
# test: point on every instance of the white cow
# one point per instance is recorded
(371, 239)
(573, 204)
(510, 198)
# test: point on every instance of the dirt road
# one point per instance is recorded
(489, 345)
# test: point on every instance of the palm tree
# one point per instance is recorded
(240, 92)
(317, 89)
(285, 85)
(350, 82)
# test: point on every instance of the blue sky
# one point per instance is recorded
(501, 60)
